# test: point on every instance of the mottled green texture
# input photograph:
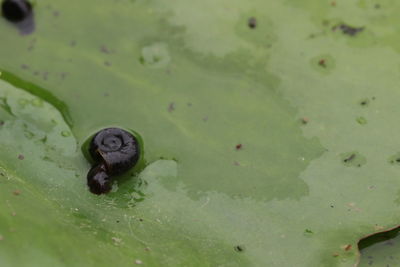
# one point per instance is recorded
(194, 80)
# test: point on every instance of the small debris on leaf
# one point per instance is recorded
(322, 63)
(239, 146)
(21, 157)
(304, 120)
(171, 107)
(349, 30)
(239, 248)
(252, 23)
(347, 247)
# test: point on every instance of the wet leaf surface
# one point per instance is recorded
(316, 170)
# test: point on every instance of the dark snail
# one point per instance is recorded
(98, 180)
(16, 10)
(114, 152)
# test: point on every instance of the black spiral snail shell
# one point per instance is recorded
(16, 10)
(114, 152)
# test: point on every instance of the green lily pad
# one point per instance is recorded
(249, 132)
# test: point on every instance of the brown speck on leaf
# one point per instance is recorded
(24, 67)
(347, 247)
(104, 49)
(322, 63)
(147, 249)
(171, 107)
(140, 219)
(335, 254)
(236, 163)
(16, 192)
(252, 23)
(72, 43)
(239, 146)
(1, 237)
(56, 13)
(107, 63)
(304, 120)
(36, 73)
(333, 3)
(21, 157)
(1, 123)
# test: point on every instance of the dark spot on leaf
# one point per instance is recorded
(350, 158)
(364, 102)
(377, 6)
(16, 193)
(239, 146)
(239, 248)
(107, 63)
(236, 163)
(171, 107)
(72, 43)
(1, 122)
(252, 23)
(353, 159)
(140, 219)
(56, 13)
(24, 67)
(117, 221)
(21, 157)
(36, 73)
(104, 49)
(348, 30)
(322, 63)
(63, 75)
(333, 3)
(304, 120)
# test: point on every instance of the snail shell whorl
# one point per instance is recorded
(117, 148)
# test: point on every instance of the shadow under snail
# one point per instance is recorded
(114, 151)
